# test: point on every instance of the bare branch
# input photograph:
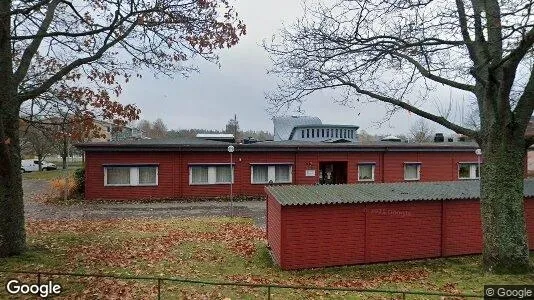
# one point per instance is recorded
(525, 105)
(73, 65)
(29, 9)
(32, 49)
(440, 120)
(426, 73)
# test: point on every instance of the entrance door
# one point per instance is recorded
(333, 172)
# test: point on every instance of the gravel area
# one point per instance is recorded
(39, 211)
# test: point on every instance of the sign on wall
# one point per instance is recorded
(310, 173)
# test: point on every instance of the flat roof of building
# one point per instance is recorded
(197, 144)
(381, 192)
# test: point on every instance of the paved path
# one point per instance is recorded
(38, 211)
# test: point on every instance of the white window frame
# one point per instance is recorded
(271, 173)
(372, 172)
(418, 164)
(212, 174)
(472, 171)
(134, 175)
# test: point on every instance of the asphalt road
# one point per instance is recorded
(35, 210)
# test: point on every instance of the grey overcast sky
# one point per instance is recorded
(208, 99)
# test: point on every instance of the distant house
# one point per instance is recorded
(112, 132)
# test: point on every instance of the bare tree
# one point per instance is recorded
(36, 142)
(399, 52)
(421, 132)
(87, 49)
(365, 137)
(233, 127)
(259, 135)
(145, 127)
(159, 129)
(154, 130)
(71, 115)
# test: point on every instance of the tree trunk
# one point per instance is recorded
(12, 234)
(40, 160)
(502, 204)
(64, 153)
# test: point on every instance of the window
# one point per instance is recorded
(313, 133)
(302, 133)
(412, 171)
(307, 133)
(206, 174)
(322, 132)
(199, 174)
(344, 133)
(468, 171)
(223, 174)
(337, 132)
(117, 175)
(148, 175)
(366, 172)
(130, 176)
(327, 132)
(262, 174)
(282, 173)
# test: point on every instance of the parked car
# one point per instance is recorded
(30, 165)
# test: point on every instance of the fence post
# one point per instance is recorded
(159, 288)
(268, 292)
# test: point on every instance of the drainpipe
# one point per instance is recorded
(383, 168)
(296, 174)
(442, 244)
(180, 185)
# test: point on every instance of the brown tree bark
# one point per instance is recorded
(12, 233)
(64, 153)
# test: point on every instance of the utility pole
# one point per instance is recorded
(231, 151)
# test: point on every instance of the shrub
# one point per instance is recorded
(61, 185)
(79, 178)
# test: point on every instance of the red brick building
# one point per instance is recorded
(152, 169)
(320, 226)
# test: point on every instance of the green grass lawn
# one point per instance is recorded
(49, 175)
(215, 249)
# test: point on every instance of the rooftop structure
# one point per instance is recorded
(221, 137)
(306, 128)
(284, 126)
(391, 138)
